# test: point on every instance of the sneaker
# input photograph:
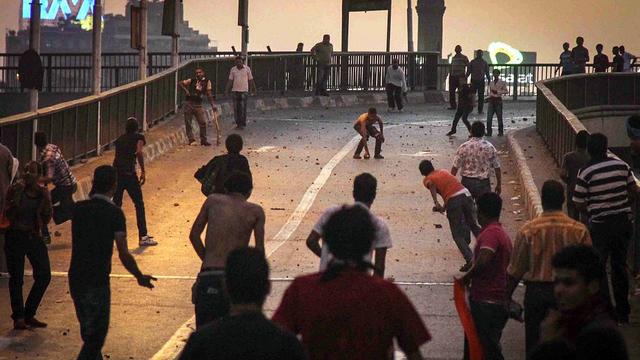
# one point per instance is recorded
(20, 324)
(205, 143)
(33, 322)
(367, 156)
(452, 132)
(358, 157)
(147, 241)
(400, 110)
(378, 156)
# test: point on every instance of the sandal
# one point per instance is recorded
(367, 156)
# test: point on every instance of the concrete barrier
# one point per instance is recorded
(530, 193)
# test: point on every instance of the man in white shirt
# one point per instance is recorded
(396, 85)
(240, 81)
(364, 193)
(497, 88)
(629, 59)
(475, 159)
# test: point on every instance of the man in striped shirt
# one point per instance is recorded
(605, 186)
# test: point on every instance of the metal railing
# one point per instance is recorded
(72, 73)
(521, 79)
(559, 99)
(86, 126)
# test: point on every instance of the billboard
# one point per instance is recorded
(500, 53)
(368, 5)
(52, 11)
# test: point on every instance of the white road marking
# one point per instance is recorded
(421, 154)
(174, 346)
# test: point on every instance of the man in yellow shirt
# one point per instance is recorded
(364, 127)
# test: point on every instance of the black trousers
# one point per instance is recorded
(209, 297)
(495, 107)
(490, 320)
(373, 132)
(538, 300)
(462, 113)
(394, 96)
(478, 85)
(323, 76)
(62, 202)
(93, 309)
(129, 182)
(611, 238)
(477, 187)
(454, 84)
(18, 245)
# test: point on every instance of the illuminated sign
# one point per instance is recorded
(495, 48)
(500, 53)
(51, 11)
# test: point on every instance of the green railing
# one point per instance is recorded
(559, 99)
(84, 127)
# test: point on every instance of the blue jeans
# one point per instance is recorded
(93, 307)
(240, 107)
(495, 107)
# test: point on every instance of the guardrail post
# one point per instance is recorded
(365, 72)
(99, 127)
(49, 71)
(149, 64)
(516, 82)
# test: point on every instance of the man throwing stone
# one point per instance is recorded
(230, 219)
(195, 89)
(364, 127)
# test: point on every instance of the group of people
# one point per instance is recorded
(477, 70)
(575, 61)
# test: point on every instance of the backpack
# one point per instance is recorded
(210, 174)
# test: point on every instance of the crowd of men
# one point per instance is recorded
(575, 61)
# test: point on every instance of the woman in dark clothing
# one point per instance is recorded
(465, 107)
(28, 208)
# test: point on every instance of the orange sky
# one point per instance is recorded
(535, 25)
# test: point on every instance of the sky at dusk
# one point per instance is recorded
(535, 25)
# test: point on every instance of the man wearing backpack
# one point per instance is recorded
(213, 175)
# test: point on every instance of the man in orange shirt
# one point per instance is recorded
(458, 205)
(364, 127)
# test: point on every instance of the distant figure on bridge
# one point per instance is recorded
(629, 59)
(572, 162)
(195, 89)
(364, 193)
(28, 207)
(240, 83)
(600, 60)
(458, 204)
(459, 63)
(580, 56)
(364, 127)
(497, 88)
(618, 61)
(535, 245)
(605, 187)
(475, 159)
(466, 102)
(322, 53)
(56, 171)
(245, 333)
(344, 312)
(566, 62)
(396, 85)
(96, 223)
(479, 71)
(487, 279)
(229, 219)
(129, 150)
(297, 69)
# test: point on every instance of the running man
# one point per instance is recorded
(230, 219)
(364, 127)
(195, 89)
(458, 205)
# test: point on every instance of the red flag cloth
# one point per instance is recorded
(460, 299)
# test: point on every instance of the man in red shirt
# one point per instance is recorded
(488, 277)
(345, 313)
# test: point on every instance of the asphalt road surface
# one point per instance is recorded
(301, 163)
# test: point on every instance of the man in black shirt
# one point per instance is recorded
(129, 149)
(245, 333)
(600, 61)
(618, 61)
(226, 164)
(96, 223)
(580, 56)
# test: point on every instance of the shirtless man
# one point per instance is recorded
(230, 219)
(364, 127)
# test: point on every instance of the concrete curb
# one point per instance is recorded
(179, 137)
(530, 194)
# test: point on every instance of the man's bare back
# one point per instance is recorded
(230, 220)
